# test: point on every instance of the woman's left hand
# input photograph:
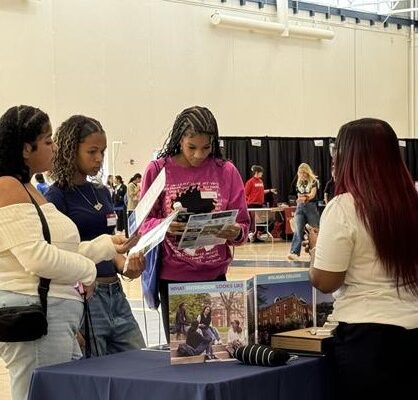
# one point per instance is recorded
(310, 237)
(230, 232)
(122, 244)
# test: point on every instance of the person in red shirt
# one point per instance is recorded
(254, 196)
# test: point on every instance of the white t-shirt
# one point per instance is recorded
(368, 293)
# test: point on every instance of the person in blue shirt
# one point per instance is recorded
(41, 185)
(81, 143)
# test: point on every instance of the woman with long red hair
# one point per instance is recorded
(365, 254)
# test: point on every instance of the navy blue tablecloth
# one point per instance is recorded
(148, 375)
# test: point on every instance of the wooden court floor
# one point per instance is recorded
(249, 259)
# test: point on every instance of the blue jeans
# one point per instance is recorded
(306, 213)
(114, 325)
(58, 346)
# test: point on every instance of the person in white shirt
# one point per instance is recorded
(365, 254)
(235, 337)
(26, 148)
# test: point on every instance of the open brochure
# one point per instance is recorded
(146, 203)
(155, 236)
(202, 229)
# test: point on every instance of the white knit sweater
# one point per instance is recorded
(25, 255)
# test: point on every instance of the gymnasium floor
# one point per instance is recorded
(249, 259)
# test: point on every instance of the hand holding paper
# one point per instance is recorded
(134, 265)
(123, 245)
(230, 232)
(176, 228)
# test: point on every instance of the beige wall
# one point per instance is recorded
(134, 64)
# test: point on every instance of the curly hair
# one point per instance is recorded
(68, 136)
(195, 121)
(19, 125)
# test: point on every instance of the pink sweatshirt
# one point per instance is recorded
(213, 186)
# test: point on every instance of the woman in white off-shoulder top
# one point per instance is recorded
(26, 148)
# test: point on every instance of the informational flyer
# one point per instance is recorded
(202, 229)
(147, 202)
(153, 237)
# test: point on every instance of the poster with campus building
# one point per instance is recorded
(284, 302)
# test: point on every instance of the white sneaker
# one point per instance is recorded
(263, 237)
(292, 257)
(251, 237)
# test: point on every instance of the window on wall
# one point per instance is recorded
(378, 7)
(371, 6)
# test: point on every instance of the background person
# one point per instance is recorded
(329, 190)
(119, 202)
(132, 197)
(200, 179)
(205, 324)
(199, 343)
(181, 321)
(81, 143)
(110, 185)
(366, 253)
(306, 187)
(254, 196)
(41, 185)
(235, 337)
(133, 192)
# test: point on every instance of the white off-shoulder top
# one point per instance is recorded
(25, 255)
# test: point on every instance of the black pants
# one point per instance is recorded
(120, 223)
(163, 286)
(127, 214)
(376, 361)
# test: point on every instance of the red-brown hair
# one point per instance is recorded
(368, 165)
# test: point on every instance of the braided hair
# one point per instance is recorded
(19, 125)
(194, 121)
(68, 136)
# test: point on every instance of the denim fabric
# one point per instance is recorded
(114, 325)
(60, 345)
(306, 213)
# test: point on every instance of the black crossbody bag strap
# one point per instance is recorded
(43, 287)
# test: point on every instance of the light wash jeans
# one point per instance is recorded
(306, 213)
(114, 326)
(60, 345)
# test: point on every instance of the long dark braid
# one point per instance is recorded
(196, 120)
(19, 125)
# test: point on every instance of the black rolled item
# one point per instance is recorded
(257, 354)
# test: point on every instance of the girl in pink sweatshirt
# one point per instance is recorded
(200, 179)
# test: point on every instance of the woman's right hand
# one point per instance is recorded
(122, 244)
(302, 199)
(89, 290)
(176, 228)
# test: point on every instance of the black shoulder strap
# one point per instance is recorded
(43, 287)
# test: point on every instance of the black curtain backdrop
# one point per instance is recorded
(281, 156)
(411, 157)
